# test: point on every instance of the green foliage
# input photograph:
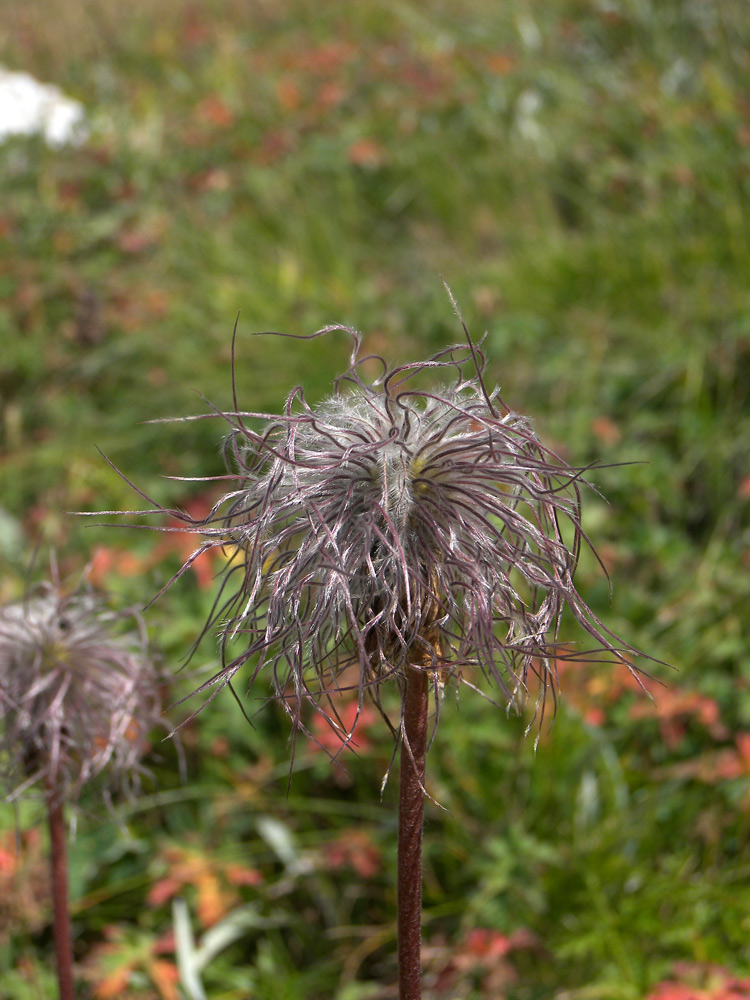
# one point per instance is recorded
(579, 172)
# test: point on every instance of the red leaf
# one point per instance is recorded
(501, 63)
(163, 890)
(366, 153)
(355, 849)
(288, 94)
(238, 875)
(351, 719)
(607, 431)
(165, 977)
(212, 110)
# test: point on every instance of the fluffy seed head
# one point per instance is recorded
(395, 525)
(76, 695)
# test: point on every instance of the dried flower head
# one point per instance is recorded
(395, 525)
(76, 695)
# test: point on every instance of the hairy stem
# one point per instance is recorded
(410, 817)
(59, 865)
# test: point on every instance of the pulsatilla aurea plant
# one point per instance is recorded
(421, 535)
(78, 698)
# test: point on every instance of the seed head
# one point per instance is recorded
(76, 695)
(394, 525)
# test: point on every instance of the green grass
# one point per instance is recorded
(579, 173)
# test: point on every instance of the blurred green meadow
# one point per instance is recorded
(578, 171)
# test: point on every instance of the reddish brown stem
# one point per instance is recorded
(59, 865)
(410, 818)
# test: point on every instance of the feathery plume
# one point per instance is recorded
(76, 695)
(393, 524)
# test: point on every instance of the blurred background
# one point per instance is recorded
(578, 171)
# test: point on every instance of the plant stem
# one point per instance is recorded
(410, 817)
(59, 866)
